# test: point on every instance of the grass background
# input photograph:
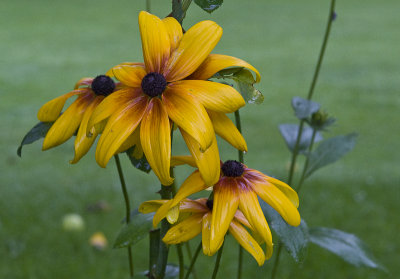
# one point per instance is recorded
(46, 46)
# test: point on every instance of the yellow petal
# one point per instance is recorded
(111, 104)
(195, 206)
(132, 140)
(206, 234)
(190, 115)
(82, 142)
(155, 137)
(151, 206)
(155, 42)
(212, 95)
(119, 127)
(225, 128)
(286, 189)
(51, 110)
(174, 30)
(162, 212)
(185, 230)
(240, 217)
(250, 207)
(173, 214)
(226, 201)
(67, 124)
(110, 71)
(182, 160)
(247, 241)
(130, 75)
(194, 47)
(278, 201)
(86, 81)
(208, 162)
(217, 62)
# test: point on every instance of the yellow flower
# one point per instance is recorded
(171, 85)
(198, 215)
(90, 94)
(239, 187)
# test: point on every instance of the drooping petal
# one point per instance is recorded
(155, 42)
(182, 160)
(132, 140)
(86, 81)
(119, 127)
(111, 104)
(250, 207)
(173, 214)
(185, 230)
(151, 206)
(193, 206)
(130, 75)
(212, 95)
(225, 128)
(226, 201)
(286, 189)
(190, 115)
(206, 234)
(67, 124)
(247, 241)
(155, 137)
(174, 30)
(208, 162)
(240, 217)
(217, 62)
(51, 110)
(82, 142)
(110, 71)
(193, 49)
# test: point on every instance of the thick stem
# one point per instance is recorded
(191, 266)
(181, 261)
(218, 260)
(127, 208)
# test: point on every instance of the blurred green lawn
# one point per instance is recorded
(46, 46)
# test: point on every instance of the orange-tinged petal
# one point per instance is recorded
(240, 217)
(111, 104)
(51, 110)
(206, 234)
(151, 206)
(195, 206)
(217, 62)
(174, 30)
(86, 81)
(250, 207)
(132, 140)
(155, 137)
(155, 42)
(110, 71)
(119, 127)
(278, 201)
(182, 160)
(212, 95)
(208, 162)
(189, 114)
(225, 128)
(226, 201)
(67, 124)
(130, 75)
(82, 142)
(185, 230)
(247, 242)
(194, 47)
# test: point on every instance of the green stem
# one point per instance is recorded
(191, 266)
(127, 208)
(305, 167)
(185, 5)
(181, 261)
(216, 267)
(154, 249)
(148, 6)
(189, 252)
(309, 97)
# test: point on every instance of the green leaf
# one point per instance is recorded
(304, 108)
(329, 151)
(290, 131)
(137, 229)
(294, 239)
(345, 245)
(37, 132)
(209, 5)
(141, 164)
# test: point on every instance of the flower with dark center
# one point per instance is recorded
(154, 84)
(232, 168)
(103, 85)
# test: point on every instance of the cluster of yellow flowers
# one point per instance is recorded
(172, 87)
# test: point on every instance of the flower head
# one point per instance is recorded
(197, 218)
(239, 187)
(171, 86)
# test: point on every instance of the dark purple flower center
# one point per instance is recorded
(232, 168)
(103, 85)
(153, 84)
(210, 204)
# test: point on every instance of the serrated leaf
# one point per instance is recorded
(345, 245)
(304, 108)
(209, 5)
(329, 151)
(37, 132)
(137, 229)
(294, 239)
(141, 164)
(289, 133)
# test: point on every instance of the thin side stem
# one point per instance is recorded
(181, 261)
(189, 252)
(276, 263)
(191, 266)
(305, 167)
(127, 208)
(148, 6)
(216, 267)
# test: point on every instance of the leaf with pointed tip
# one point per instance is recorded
(290, 131)
(345, 245)
(304, 108)
(329, 151)
(141, 164)
(209, 5)
(37, 132)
